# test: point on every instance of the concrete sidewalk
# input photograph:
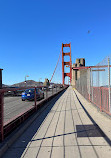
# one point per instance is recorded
(69, 130)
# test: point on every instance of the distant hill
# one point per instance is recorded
(4, 85)
(29, 83)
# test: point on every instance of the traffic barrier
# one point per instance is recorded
(7, 127)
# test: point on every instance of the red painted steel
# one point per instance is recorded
(97, 95)
(67, 74)
(8, 127)
(17, 116)
(100, 98)
(16, 121)
(69, 63)
(62, 65)
(88, 67)
(66, 45)
(105, 99)
(66, 63)
(1, 116)
(1, 78)
(66, 54)
(35, 99)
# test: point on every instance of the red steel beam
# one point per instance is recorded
(67, 63)
(66, 45)
(67, 74)
(66, 54)
(88, 67)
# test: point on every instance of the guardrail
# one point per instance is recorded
(7, 126)
(98, 96)
(93, 82)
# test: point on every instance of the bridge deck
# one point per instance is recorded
(65, 129)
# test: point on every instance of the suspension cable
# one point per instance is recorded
(56, 66)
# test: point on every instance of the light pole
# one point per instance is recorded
(25, 77)
(39, 81)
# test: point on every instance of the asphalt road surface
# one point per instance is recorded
(13, 105)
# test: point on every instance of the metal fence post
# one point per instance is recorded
(100, 99)
(1, 116)
(91, 85)
(109, 83)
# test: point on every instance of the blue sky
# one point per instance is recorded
(32, 32)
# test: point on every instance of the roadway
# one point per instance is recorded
(65, 129)
(13, 105)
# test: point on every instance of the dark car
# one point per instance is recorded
(29, 94)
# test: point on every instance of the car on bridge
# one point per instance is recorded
(29, 94)
(51, 87)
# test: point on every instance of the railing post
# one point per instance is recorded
(90, 84)
(46, 92)
(109, 84)
(1, 116)
(35, 99)
(52, 90)
(100, 99)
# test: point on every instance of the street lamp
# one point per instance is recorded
(39, 81)
(25, 77)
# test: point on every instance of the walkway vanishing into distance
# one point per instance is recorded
(65, 129)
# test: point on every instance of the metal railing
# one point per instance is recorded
(94, 84)
(13, 111)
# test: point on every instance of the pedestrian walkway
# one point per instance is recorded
(68, 131)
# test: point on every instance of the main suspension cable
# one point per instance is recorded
(56, 66)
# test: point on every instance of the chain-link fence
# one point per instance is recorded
(94, 84)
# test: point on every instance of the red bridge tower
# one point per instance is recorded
(68, 63)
